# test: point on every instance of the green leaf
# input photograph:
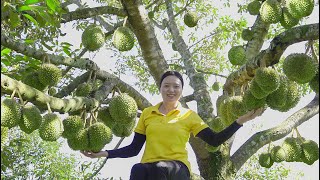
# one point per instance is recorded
(47, 46)
(29, 41)
(31, 19)
(5, 51)
(24, 8)
(53, 5)
(14, 19)
(27, 2)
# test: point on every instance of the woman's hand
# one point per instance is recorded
(95, 155)
(250, 115)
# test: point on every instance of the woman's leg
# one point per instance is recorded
(172, 170)
(139, 172)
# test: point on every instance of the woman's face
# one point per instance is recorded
(171, 89)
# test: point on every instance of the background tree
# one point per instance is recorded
(199, 33)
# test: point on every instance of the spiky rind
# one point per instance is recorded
(254, 7)
(49, 74)
(265, 160)
(123, 108)
(250, 102)
(300, 8)
(105, 117)
(247, 34)
(83, 89)
(268, 79)
(310, 152)
(287, 20)
(278, 154)
(99, 135)
(80, 141)
(237, 55)
(256, 90)
(93, 37)
(314, 83)
(72, 125)
(270, 11)
(123, 39)
(31, 119)
(10, 113)
(32, 79)
(51, 128)
(190, 19)
(123, 130)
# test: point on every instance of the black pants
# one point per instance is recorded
(160, 170)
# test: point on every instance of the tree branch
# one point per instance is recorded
(82, 63)
(258, 140)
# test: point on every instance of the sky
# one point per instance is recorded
(121, 167)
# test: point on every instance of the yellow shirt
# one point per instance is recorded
(167, 135)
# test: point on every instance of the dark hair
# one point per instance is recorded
(172, 73)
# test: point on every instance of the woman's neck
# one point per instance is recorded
(167, 107)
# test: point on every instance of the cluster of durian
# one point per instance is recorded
(288, 12)
(91, 138)
(293, 149)
(47, 75)
(121, 115)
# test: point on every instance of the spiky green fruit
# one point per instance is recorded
(190, 19)
(80, 141)
(300, 67)
(123, 108)
(265, 160)
(254, 7)
(237, 55)
(151, 14)
(237, 107)
(310, 152)
(300, 8)
(123, 130)
(174, 47)
(51, 128)
(292, 97)
(71, 126)
(247, 34)
(256, 90)
(4, 134)
(270, 11)
(49, 74)
(219, 101)
(268, 79)
(216, 86)
(93, 37)
(287, 20)
(225, 112)
(105, 117)
(292, 148)
(314, 83)
(83, 89)
(99, 135)
(250, 102)
(123, 39)
(31, 119)
(52, 91)
(10, 113)
(278, 98)
(32, 79)
(278, 154)
(216, 124)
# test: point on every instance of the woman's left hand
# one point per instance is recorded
(250, 115)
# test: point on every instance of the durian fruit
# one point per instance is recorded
(225, 113)
(287, 20)
(300, 67)
(265, 160)
(278, 154)
(216, 86)
(4, 134)
(236, 106)
(71, 126)
(80, 141)
(219, 101)
(174, 47)
(123, 130)
(49, 74)
(292, 148)
(250, 102)
(216, 124)
(83, 89)
(254, 7)
(51, 128)
(292, 97)
(10, 113)
(270, 11)
(314, 83)
(31, 119)
(123, 39)
(52, 91)
(300, 8)
(123, 108)
(278, 98)
(247, 34)
(190, 19)
(99, 135)
(237, 55)
(256, 90)
(310, 152)
(268, 79)
(105, 117)
(32, 79)
(93, 37)
(151, 15)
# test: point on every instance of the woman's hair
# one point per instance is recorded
(172, 73)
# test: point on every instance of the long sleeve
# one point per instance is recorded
(215, 139)
(131, 150)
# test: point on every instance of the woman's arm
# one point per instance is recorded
(128, 151)
(215, 139)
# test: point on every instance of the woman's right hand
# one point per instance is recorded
(95, 155)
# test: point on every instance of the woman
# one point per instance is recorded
(166, 129)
